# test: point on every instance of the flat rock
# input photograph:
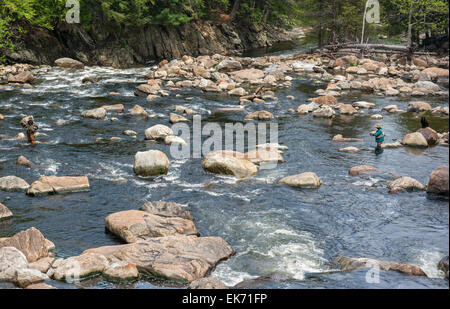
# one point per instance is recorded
(5, 213)
(54, 185)
(181, 257)
(166, 209)
(340, 138)
(260, 115)
(11, 260)
(151, 163)
(79, 267)
(114, 108)
(135, 225)
(264, 155)
(418, 107)
(439, 183)
(304, 180)
(121, 271)
(362, 170)
(229, 163)
(13, 183)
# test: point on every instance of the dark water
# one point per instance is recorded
(274, 229)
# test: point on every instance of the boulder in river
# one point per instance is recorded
(166, 209)
(137, 110)
(304, 180)
(362, 170)
(180, 257)
(439, 183)
(229, 163)
(340, 138)
(307, 108)
(324, 112)
(443, 265)
(114, 108)
(260, 115)
(325, 100)
(21, 160)
(415, 139)
(54, 185)
(11, 260)
(430, 135)
(135, 225)
(418, 107)
(25, 277)
(175, 118)
(347, 109)
(158, 132)
(121, 271)
(348, 264)
(96, 113)
(247, 75)
(151, 163)
(405, 184)
(43, 265)
(5, 213)
(23, 77)
(172, 139)
(264, 155)
(207, 284)
(13, 183)
(68, 63)
(228, 66)
(349, 149)
(30, 242)
(78, 267)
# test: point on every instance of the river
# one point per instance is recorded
(274, 229)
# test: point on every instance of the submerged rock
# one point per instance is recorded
(151, 163)
(304, 180)
(5, 213)
(54, 185)
(340, 138)
(229, 163)
(349, 149)
(13, 183)
(405, 184)
(135, 225)
(439, 183)
(348, 264)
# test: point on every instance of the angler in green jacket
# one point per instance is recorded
(379, 136)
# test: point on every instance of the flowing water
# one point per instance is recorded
(274, 229)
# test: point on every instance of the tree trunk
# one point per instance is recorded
(235, 10)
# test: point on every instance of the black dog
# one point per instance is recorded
(425, 123)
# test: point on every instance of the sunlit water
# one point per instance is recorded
(274, 229)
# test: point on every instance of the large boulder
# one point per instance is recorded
(427, 87)
(30, 242)
(151, 163)
(417, 107)
(347, 109)
(96, 113)
(158, 132)
(68, 63)
(324, 112)
(135, 225)
(405, 184)
(348, 264)
(304, 180)
(11, 260)
(54, 185)
(443, 265)
(433, 73)
(362, 170)
(78, 267)
(325, 100)
(415, 140)
(180, 257)
(5, 213)
(13, 183)
(144, 90)
(229, 163)
(167, 209)
(430, 135)
(23, 77)
(438, 183)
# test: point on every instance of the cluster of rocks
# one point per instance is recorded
(17, 75)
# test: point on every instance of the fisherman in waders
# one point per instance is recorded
(30, 127)
(379, 136)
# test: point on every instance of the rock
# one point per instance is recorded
(5, 213)
(97, 113)
(229, 66)
(23, 77)
(151, 163)
(11, 260)
(260, 115)
(405, 184)
(181, 257)
(438, 183)
(68, 63)
(346, 61)
(247, 75)
(305, 180)
(238, 92)
(25, 277)
(184, 110)
(348, 264)
(158, 132)
(13, 183)
(419, 62)
(290, 97)
(349, 149)
(430, 135)
(443, 265)
(228, 110)
(30, 242)
(172, 139)
(207, 284)
(54, 185)
(363, 104)
(229, 163)
(144, 90)
(152, 97)
(440, 111)
(135, 225)
(42, 265)
(166, 209)
(174, 118)
(415, 140)
(2, 117)
(377, 117)
(362, 170)
(391, 109)
(324, 112)
(114, 108)
(130, 133)
(307, 108)
(21, 136)
(90, 80)
(79, 267)
(325, 100)
(433, 73)
(258, 101)
(121, 271)
(138, 111)
(340, 138)
(21, 160)
(391, 145)
(418, 107)
(40, 286)
(264, 155)
(353, 70)
(427, 87)
(347, 109)
(392, 92)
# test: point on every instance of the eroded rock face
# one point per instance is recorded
(79, 267)
(207, 284)
(30, 242)
(5, 213)
(405, 184)
(54, 184)
(166, 209)
(11, 260)
(229, 163)
(151, 163)
(438, 183)
(183, 258)
(362, 170)
(13, 183)
(135, 225)
(348, 264)
(304, 180)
